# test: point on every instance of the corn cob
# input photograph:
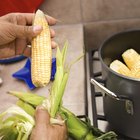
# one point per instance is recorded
(136, 69)
(119, 67)
(130, 57)
(41, 53)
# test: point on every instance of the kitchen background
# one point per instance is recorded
(85, 24)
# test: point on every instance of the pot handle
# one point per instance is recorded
(105, 91)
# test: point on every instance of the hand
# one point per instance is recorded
(16, 33)
(44, 130)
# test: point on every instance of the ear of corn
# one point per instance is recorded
(82, 130)
(41, 53)
(76, 128)
(130, 57)
(132, 67)
(136, 69)
(119, 67)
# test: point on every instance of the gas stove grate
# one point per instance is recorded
(93, 57)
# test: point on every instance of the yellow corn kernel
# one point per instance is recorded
(130, 57)
(41, 53)
(120, 68)
(136, 69)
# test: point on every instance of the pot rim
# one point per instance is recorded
(107, 40)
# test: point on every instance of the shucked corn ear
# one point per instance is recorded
(130, 57)
(136, 69)
(119, 67)
(132, 61)
(41, 53)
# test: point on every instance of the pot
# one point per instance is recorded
(122, 106)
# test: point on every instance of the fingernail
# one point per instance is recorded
(37, 29)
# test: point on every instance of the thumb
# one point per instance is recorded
(42, 117)
(27, 31)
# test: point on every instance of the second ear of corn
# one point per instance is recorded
(131, 67)
(119, 67)
(41, 53)
(136, 68)
(130, 57)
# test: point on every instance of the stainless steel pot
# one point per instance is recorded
(122, 106)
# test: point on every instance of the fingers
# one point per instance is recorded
(62, 128)
(30, 31)
(51, 20)
(26, 31)
(7, 51)
(53, 44)
(42, 117)
(27, 50)
(20, 43)
(29, 19)
(30, 16)
(52, 33)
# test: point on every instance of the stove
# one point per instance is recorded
(93, 70)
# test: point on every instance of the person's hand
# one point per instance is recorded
(16, 32)
(44, 130)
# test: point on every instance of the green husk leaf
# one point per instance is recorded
(26, 107)
(82, 130)
(25, 136)
(30, 98)
(10, 135)
(20, 135)
(64, 52)
(14, 123)
(46, 104)
(17, 112)
(76, 128)
(74, 61)
(57, 121)
(90, 136)
(108, 136)
(56, 102)
(60, 81)
(56, 84)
